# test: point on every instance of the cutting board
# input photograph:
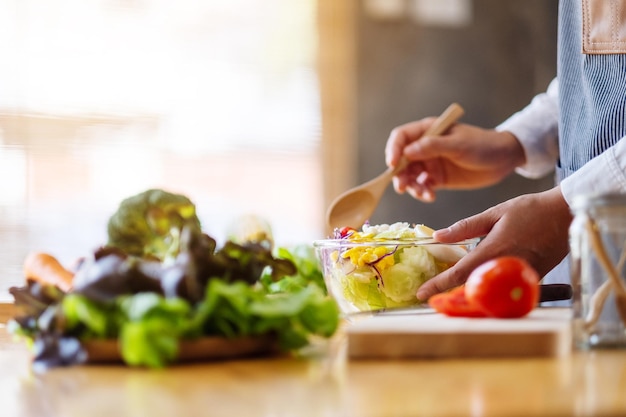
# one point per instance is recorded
(545, 332)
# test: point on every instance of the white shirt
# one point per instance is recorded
(536, 127)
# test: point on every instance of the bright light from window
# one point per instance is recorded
(12, 175)
(211, 71)
(101, 99)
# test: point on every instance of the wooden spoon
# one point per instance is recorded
(355, 206)
(607, 265)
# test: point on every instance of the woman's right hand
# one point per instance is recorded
(464, 157)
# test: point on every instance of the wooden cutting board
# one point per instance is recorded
(426, 334)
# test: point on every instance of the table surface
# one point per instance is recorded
(584, 383)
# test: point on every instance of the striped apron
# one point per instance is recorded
(591, 69)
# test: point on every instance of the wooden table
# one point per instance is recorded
(585, 383)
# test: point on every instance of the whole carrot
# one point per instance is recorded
(46, 269)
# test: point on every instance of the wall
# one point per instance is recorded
(407, 70)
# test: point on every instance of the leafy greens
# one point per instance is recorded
(150, 305)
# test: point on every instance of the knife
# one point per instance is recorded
(547, 292)
(555, 292)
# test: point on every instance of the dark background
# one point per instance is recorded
(408, 70)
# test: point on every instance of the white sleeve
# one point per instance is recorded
(536, 128)
(606, 173)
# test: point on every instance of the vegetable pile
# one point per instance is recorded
(160, 280)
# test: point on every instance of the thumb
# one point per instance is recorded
(428, 147)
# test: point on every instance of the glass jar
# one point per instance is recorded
(598, 271)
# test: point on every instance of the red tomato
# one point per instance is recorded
(504, 287)
(346, 231)
(439, 302)
(454, 303)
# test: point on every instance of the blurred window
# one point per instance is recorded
(102, 99)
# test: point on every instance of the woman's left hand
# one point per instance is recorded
(532, 226)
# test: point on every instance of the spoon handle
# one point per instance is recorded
(445, 120)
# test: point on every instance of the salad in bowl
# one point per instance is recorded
(382, 266)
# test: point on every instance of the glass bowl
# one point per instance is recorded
(383, 273)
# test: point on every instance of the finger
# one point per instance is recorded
(429, 147)
(394, 148)
(399, 185)
(420, 193)
(458, 274)
(417, 182)
(422, 188)
(402, 136)
(450, 278)
(406, 178)
(425, 181)
(471, 227)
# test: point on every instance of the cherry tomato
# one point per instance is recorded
(504, 287)
(346, 231)
(454, 303)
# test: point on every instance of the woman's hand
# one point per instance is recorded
(463, 158)
(533, 226)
